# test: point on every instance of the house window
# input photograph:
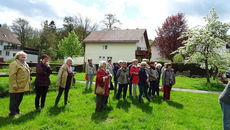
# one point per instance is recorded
(0, 52)
(7, 53)
(14, 54)
(4, 35)
(105, 47)
(1, 42)
(109, 58)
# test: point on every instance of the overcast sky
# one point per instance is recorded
(148, 14)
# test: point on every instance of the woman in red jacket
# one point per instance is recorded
(102, 80)
(135, 77)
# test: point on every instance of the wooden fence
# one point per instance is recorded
(55, 68)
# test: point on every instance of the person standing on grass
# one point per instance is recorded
(19, 82)
(158, 68)
(110, 69)
(123, 80)
(168, 80)
(153, 76)
(224, 100)
(65, 80)
(143, 81)
(115, 69)
(135, 75)
(130, 79)
(102, 80)
(42, 81)
(90, 71)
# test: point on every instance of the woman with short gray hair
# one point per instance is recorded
(102, 81)
(19, 81)
(65, 80)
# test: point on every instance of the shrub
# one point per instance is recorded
(178, 58)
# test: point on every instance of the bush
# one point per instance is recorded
(178, 58)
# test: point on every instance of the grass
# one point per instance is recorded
(181, 82)
(184, 111)
(197, 83)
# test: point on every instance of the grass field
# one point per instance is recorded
(184, 111)
(181, 82)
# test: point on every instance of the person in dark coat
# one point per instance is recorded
(42, 81)
(143, 81)
(224, 100)
(115, 69)
(102, 80)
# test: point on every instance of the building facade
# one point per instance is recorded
(117, 45)
(10, 45)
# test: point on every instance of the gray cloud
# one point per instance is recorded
(201, 7)
(29, 9)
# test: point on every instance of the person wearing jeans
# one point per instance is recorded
(143, 81)
(65, 80)
(90, 71)
(134, 73)
(42, 81)
(123, 80)
(153, 76)
(224, 100)
(19, 82)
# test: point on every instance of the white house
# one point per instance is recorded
(117, 45)
(155, 52)
(10, 45)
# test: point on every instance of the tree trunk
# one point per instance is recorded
(215, 73)
(207, 71)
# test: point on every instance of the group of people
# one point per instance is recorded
(142, 75)
(19, 81)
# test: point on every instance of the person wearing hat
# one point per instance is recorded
(135, 77)
(143, 81)
(19, 82)
(42, 81)
(90, 72)
(168, 80)
(120, 63)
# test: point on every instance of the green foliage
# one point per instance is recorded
(178, 58)
(10, 60)
(70, 46)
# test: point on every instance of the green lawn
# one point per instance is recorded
(181, 82)
(197, 83)
(184, 111)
